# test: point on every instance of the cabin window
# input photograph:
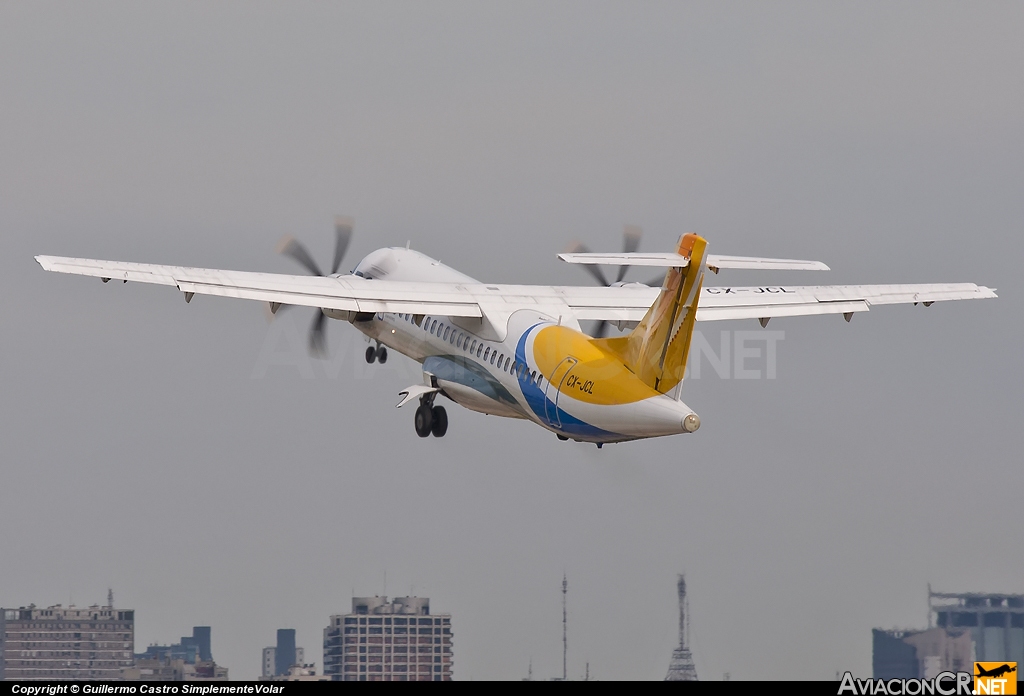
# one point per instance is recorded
(473, 346)
(479, 350)
(501, 360)
(486, 353)
(507, 361)
(446, 330)
(433, 326)
(458, 341)
(493, 356)
(533, 376)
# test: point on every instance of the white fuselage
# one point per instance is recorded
(490, 364)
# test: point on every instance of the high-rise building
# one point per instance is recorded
(380, 640)
(190, 659)
(962, 628)
(284, 656)
(278, 659)
(191, 649)
(269, 662)
(681, 668)
(66, 642)
(996, 622)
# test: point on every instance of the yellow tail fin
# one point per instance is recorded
(657, 349)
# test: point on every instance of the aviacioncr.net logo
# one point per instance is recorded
(944, 684)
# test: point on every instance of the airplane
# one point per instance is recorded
(994, 672)
(518, 351)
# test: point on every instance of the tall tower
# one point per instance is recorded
(565, 629)
(682, 668)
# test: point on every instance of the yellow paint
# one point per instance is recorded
(657, 349)
(599, 377)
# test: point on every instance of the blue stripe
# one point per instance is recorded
(541, 405)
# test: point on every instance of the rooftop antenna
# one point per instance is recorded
(565, 628)
(110, 597)
(929, 605)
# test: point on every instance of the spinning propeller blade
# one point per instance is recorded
(293, 248)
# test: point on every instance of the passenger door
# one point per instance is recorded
(553, 389)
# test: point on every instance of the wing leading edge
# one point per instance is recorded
(344, 293)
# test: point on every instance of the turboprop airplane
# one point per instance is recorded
(518, 351)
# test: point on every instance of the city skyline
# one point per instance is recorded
(144, 450)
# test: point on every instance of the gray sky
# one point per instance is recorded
(143, 451)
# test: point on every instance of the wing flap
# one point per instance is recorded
(782, 310)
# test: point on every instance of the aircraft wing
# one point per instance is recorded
(630, 303)
(719, 303)
(346, 293)
(627, 303)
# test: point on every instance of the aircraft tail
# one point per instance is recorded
(657, 349)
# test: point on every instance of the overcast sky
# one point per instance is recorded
(150, 446)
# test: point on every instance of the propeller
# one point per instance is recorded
(631, 236)
(291, 247)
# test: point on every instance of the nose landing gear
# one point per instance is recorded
(378, 354)
(429, 419)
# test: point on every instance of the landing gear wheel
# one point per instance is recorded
(561, 437)
(382, 355)
(424, 420)
(371, 354)
(440, 424)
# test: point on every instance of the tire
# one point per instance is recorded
(440, 425)
(371, 354)
(423, 421)
(382, 355)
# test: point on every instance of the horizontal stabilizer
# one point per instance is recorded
(751, 263)
(672, 260)
(666, 260)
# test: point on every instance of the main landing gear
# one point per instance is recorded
(378, 354)
(430, 419)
